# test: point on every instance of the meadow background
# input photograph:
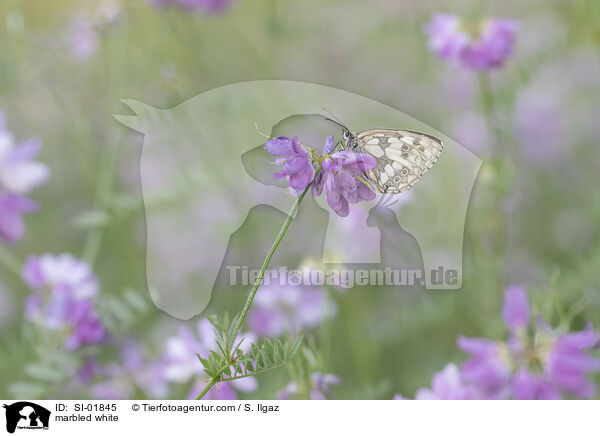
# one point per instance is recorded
(532, 222)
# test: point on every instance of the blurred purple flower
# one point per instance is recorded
(489, 367)
(76, 319)
(83, 38)
(515, 310)
(494, 46)
(447, 385)
(19, 174)
(131, 372)
(447, 38)
(64, 288)
(568, 363)
(538, 364)
(295, 160)
(85, 325)
(320, 388)
(529, 386)
(62, 274)
(12, 226)
(181, 363)
(201, 6)
(486, 48)
(280, 309)
(90, 369)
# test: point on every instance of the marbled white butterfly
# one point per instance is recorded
(402, 156)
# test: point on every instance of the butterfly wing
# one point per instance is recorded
(402, 157)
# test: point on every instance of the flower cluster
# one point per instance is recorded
(19, 174)
(339, 173)
(536, 362)
(201, 6)
(288, 309)
(181, 363)
(295, 160)
(486, 46)
(63, 298)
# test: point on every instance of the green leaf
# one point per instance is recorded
(294, 348)
(203, 361)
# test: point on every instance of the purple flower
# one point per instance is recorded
(12, 206)
(85, 325)
(181, 363)
(484, 47)
(76, 319)
(538, 364)
(64, 288)
(19, 174)
(568, 364)
(320, 388)
(61, 274)
(83, 38)
(516, 308)
(447, 39)
(294, 159)
(493, 47)
(447, 385)
(488, 368)
(281, 309)
(322, 384)
(341, 178)
(342, 186)
(340, 172)
(529, 386)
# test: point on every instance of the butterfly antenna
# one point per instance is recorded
(259, 132)
(334, 119)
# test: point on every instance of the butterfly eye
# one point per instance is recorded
(346, 134)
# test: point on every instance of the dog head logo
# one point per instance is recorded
(26, 415)
(205, 177)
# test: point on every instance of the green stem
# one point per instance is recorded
(487, 102)
(10, 261)
(207, 388)
(261, 274)
(500, 164)
(237, 377)
(257, 282)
